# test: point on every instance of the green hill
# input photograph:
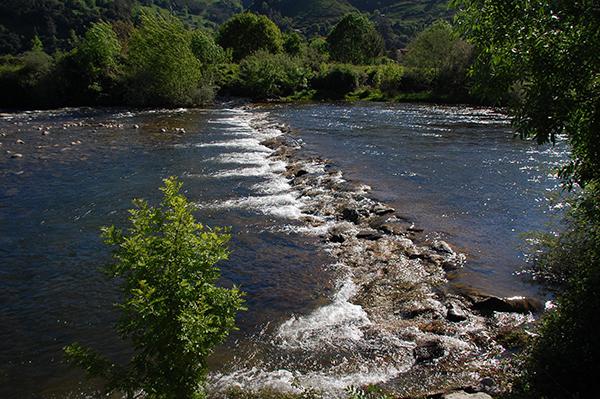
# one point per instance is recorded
(57, 22)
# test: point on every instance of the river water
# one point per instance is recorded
(456, 172)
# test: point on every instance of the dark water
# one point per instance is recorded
(455, 171)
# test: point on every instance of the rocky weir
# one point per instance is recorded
(416, 335)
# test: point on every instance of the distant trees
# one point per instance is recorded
(90, 72)
(247, 33)
(264, 75)
(355, 40)
(440, 49)
(161, 68)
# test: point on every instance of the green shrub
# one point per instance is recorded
(264, 75)
(247, 33)
(389, 78)
(172, 311)
(90, 73)
(337, 80)
(563, 358)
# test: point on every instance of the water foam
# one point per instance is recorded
(331, 325)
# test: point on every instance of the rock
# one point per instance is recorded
(369, 235)
(136, 126)
(393, 228)
(45, 133)
(337, 233)
(442, 247)
(456, 314)
(19, 141)
(414, 229)
(351, 215)
(428, 351)
(487, 382)
(163, 130)
(381, 209)
(517, 304)
(464, 395)
(16, 155)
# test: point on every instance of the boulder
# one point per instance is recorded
(381, 209)
(369, 235)
(442, 247)
(456, 314)
(351, 215)
(428, 351)
(393, 228)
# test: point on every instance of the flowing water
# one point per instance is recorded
(456, 172)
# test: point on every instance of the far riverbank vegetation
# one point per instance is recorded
(155, 59)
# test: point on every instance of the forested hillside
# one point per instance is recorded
(398, 21)
(59, 22)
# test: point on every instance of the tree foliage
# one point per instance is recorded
(161, 67)
(264, 75)
(355, 40)
(247, 33)
(90, 72)
(543, 52)
(172, 311)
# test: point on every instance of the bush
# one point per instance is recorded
(337, 81)
(247, 33)
(563, 359)
(264, 75)
(172, 312)
(389, 78)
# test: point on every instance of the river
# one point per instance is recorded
(456, 172)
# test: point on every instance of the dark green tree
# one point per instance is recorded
(544, 54)
(355, 40)
(90, 72)
(293, 43)
(247, 33)
(172, 311)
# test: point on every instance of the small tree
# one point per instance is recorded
(172, 311)
(247, 33)
(355, 40)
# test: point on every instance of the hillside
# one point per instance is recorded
(57, 22)
(397, 20)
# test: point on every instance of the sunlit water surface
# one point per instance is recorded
(457, 172)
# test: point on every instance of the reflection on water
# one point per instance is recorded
(454, 171)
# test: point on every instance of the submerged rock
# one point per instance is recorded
(428, 351)
(515, 305)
